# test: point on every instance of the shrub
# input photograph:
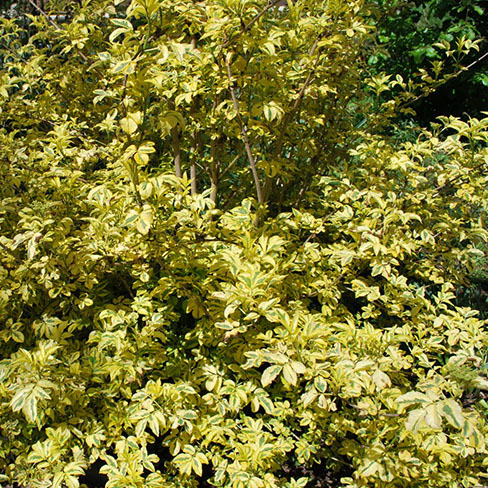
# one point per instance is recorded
(186, 335)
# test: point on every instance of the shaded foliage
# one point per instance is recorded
(410, 32)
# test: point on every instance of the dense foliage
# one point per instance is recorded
(215, 266)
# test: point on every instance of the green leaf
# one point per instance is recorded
(412, 397)
(20, 398)
(267, 404)
(123, 23)
(369, 469)
(17, 336)
(415, 419)
(272, 111)
(197, 466)
(116, 33)
(141, 155)
(130, 123)
(289, 374)
(74, 469)
(453, 413)
(58, 479)
(131, 217)
(270, 374)
(154, 424)
(145, 220)
(298, 367)
(184, 462)
(432, 417)
(141, 427)
(124, 67)
(381, 380)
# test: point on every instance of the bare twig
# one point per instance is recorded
(213, 171)
(195, 141)
(474, 63)
(124, 93)
(47, 17)
(193, 167)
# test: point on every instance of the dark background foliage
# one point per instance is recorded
(408, 32)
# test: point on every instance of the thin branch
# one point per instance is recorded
(193, 167)
(444, 81)
(56, 26)
(177, 151)
(289, 116)
(456, 178)
(231, 164)
(124, 93)
(252, 161)
(195, 141)
(474, 63)
(260, 14)
(47, 17)
(214, 168)
(134, 177)
(292, 113)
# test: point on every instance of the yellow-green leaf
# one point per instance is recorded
(453, 413)
(289, 374)
(270, 374)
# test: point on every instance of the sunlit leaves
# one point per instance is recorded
(130, 123)
(453, 413)
(142, 219)
(28, 397)
(142, 315)
(272, 111)
(381, 379)
(190, 460)
(270, 374)
(432, 411)
(141, 154)
(123, 26)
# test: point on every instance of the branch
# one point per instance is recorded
(124, 93)
(176, 146)
(213, 171)
(289, 116)
(250, 157)
(442, 82)
(270, 5)
(193, 167)
(293, 112)
(474, 63)
(195, 140)
(231, 164)
(438, 189)
(51, 21)
(56, 26)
